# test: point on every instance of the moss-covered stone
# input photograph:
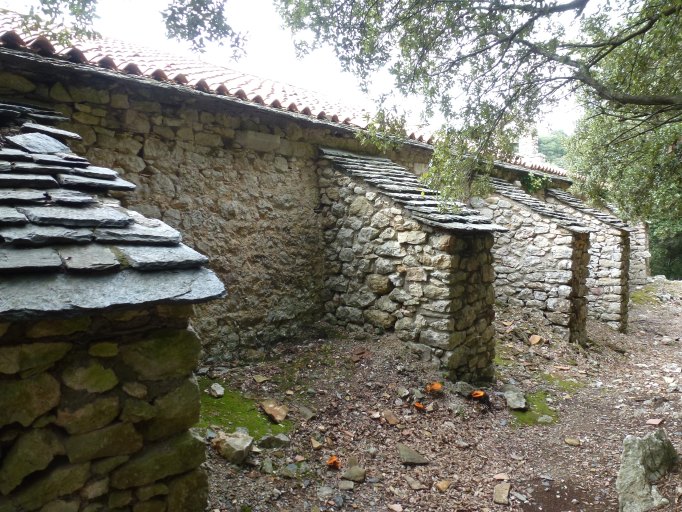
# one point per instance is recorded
(31, 452)
(135, 389)
(135, 410)
(188, 493)
(17, 83)
(25, 400)
(61, 481)
(118, 439)
(93, 378)
(58, 92)
(174, 412)
(33, 356)
(105, 466)
(61, 506)
(119, 499)
(173, 456)
(150, 506)
(92, 416)
(166, 354)
(57, 327)
(95, 489)
(103, 349)
(150, 491)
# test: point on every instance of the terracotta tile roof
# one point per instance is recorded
(547, 168)
(188, 71)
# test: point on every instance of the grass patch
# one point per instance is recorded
(537, 407)
(643, 296)
(235, 410)
(565, 385)
(502, 361)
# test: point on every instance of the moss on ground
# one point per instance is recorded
(234, 410)
(565, 385)
(537, 407)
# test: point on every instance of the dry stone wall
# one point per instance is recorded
(95, 412)
(386, 271)
(639, 255)
(608, 281)
(239, 182)
(541, 266)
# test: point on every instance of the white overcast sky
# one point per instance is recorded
(270, 51)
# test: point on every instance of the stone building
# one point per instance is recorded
(96, 358)
(396, 261)
(541, 261)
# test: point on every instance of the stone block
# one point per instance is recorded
(61, 481)
(117, 439)
(31, 452)
(360, 207)
(416, 274)
(174, 412)
(174, 456)
(379, 319)
(92, 416)
(25, 400)
(189, 492)
(379, 284)
(93, 378)
(23, 358)
(412, 237)
(166, 354)
(17, 83)
(257, 141)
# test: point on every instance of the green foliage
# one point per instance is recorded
(666, 249)
(554, 147)
(196, 21)
(533, 183)
(490, 66)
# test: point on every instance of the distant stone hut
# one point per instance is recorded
(96, 357)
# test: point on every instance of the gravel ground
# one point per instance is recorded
(362, 391)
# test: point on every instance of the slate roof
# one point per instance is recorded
(404, 188)
(66, 246)
(511, 191)
(576, 203)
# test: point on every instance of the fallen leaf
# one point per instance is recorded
(289, 392)
(275, 411)
(434, 388)
(395, 507)
(563, 368)
(419, 406)
(654, 421)
(261, 378)
(299, 458)
(501, 476)
(507, 323)
(333, 462)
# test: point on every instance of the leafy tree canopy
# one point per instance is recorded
(491, 65)
(197, 21)
(554, 147)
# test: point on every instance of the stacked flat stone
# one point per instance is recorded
(395, 260)
(542, 261)
(96, 359)
(608, 282)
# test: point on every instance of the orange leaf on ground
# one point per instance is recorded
(420, 406)
(333, 462)
(434, 387)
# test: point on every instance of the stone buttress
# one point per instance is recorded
(97, 394)
(396, 261)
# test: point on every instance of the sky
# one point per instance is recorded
(269, 52)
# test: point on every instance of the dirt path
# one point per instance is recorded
(362, 392)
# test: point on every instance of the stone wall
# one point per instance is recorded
(386, 271)
(608, 281)
(238, 180)
(540, 265)
(639, 254)
(95, 412)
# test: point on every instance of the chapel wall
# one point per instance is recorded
(239, 182)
